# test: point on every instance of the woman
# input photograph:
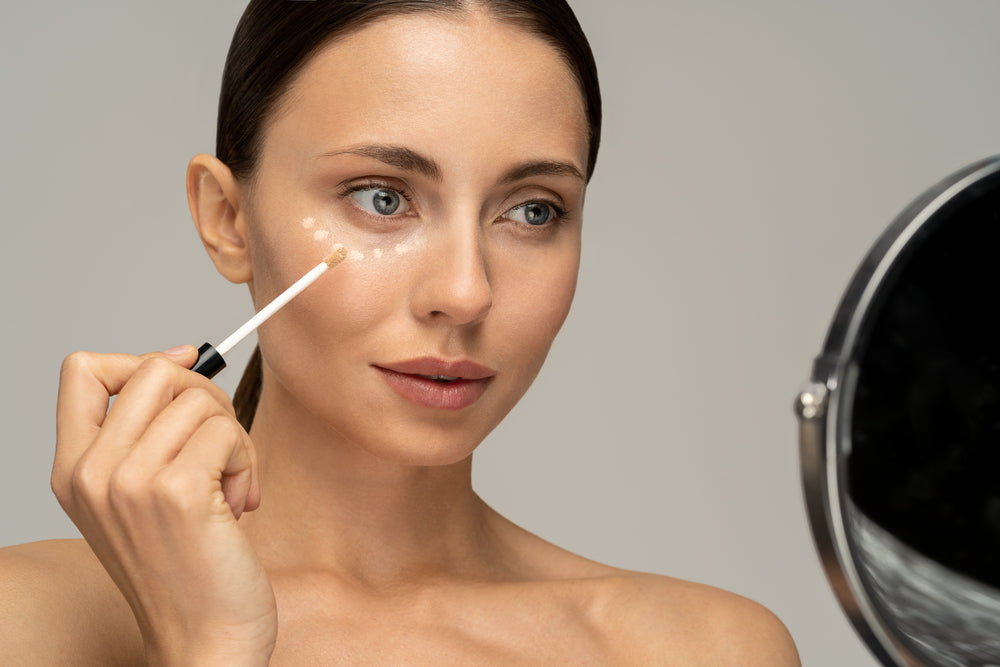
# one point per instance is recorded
(447, 145)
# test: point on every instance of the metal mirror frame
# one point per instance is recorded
(824, 404)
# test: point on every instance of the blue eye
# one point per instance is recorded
(380, 201)
(534, 213)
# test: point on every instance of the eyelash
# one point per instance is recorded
(560, 212)
(351, 188)
(558, 219)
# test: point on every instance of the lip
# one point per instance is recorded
(407, 379)
(461, 368)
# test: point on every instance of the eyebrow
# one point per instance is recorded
(394, 156)
(409, 160)
(542, 168)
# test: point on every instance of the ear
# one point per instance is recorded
(214, 200)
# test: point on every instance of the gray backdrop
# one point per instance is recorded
(752, 151)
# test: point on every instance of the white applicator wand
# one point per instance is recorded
(210, 359)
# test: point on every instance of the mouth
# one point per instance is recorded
(439, 370)
(438, 384)
(440, 378)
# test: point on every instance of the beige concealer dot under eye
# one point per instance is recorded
(321, 235)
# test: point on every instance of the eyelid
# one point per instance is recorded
(348, 189)
(529, 191)
(351, 187)
(559, 216)
(547, 197)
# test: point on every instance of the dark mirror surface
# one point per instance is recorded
(925, 461)
(901, 438)
(923, 468)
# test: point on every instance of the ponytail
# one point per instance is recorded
(248, 391)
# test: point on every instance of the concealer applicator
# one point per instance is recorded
(210, 359)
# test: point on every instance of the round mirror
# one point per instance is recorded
(899, 431)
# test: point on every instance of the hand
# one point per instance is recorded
(156, 485)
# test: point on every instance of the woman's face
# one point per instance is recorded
(447, 154)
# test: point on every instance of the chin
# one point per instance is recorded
(428, 452)
(417, 436)
(422, 442)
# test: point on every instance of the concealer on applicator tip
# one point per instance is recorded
(210, 360)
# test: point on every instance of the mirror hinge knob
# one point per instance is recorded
(811, 401)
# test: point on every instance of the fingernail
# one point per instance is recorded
(178, 351)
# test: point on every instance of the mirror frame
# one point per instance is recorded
(824, 406)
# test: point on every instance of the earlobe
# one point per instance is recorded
(214, 200)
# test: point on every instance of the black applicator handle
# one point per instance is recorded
(210, 362)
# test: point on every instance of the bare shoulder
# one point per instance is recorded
(640, 618)
(660, 620)
(59, 606)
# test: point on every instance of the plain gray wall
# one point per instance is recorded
(751, 154)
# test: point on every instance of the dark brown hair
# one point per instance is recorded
(275, 39)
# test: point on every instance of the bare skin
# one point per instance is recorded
(605, 617)
(343, 529)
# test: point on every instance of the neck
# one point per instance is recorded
(328, 504)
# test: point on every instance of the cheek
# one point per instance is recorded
(326, 231)
(351, 312)
(323, 339)
(282, 251)
(537, 303)
(354, 298)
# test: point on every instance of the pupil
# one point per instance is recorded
(536, 214)
(386, 202)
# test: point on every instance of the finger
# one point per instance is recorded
(167, 434)
(253, 495)
(182, 355)
(217, 459)
(87, 381)
(154, 385)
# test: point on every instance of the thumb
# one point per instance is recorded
(182, 355)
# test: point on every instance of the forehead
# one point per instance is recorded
(437, 82)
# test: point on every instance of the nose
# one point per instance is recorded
(455, 285)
